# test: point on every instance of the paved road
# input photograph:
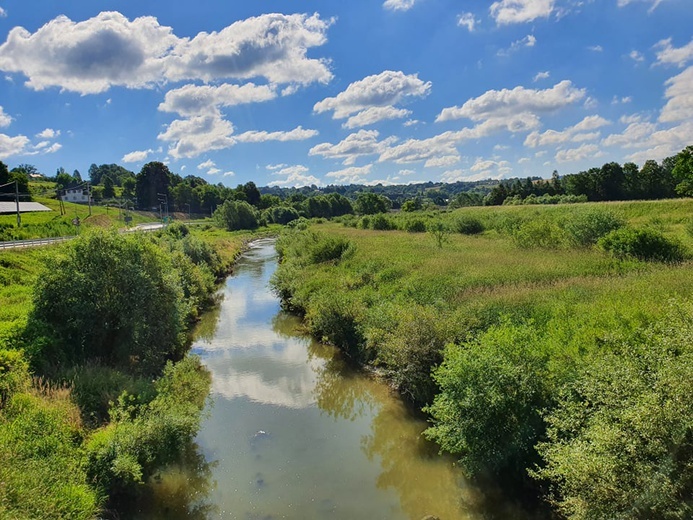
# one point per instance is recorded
(35, 242)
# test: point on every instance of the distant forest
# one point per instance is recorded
(155, 187)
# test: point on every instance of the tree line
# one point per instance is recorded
(672, 177)
(155, 186)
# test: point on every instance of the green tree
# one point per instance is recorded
(63, 179)
(129, 185)
(412, 204)
(234, 214)
(109, 298)
(683, 172)
(252, 194)
(369, 203)
(108, 189)
(153, 179)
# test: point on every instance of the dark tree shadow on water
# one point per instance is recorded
(179, 491)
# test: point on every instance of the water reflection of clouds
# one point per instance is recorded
(278, 374)
(244, 320)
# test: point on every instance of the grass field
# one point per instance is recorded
(502, 332)
(52, 224)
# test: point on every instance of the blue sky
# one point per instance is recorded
(326, 92)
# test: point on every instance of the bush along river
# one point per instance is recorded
(293, 432)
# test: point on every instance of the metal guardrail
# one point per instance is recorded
(34, 242)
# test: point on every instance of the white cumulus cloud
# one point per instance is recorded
(358, 144)
(109, 50)
(541, 75)
(296, 176)
(10, 146)
(5, 119)
(505, 103)
(260, 136)
(520, 11)
(209, 163)
(668, 54)
(196, 135)
(352, 175)
(578, 154)
(382, 91)
(137, 156)
(576, 133)
(468, 21)
(48, 133)
(679, 95)
(192, 100)
(399, 5)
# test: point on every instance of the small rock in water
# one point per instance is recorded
(430, 517)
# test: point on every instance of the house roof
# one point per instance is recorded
(24, 207)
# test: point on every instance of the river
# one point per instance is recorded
(294, 432)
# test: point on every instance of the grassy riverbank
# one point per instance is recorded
(539, 343)
(96, 391)
(53, 224)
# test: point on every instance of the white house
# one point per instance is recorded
(76, 195)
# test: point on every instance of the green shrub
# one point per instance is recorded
(585, 229)
(643, 244)
(144, 437)
(506, 223)
(620, 441)
(14, 373)
(334, 318)
(538, 233)
(688, 225)
(282, 214)
(110, 298)
(202, 254)
(306, 247)
(412, 350)
(177, 230)
(365, 222)
(468, 225)
(233, 215)
(439, 231)
(95, 388)
(415, 226)
(328, 248)
(301, 224)
(380, 222)
(492, 391)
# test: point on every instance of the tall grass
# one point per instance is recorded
(492, 328)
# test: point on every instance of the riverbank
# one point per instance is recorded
(294, 431)
(96, 390)
(524, 345)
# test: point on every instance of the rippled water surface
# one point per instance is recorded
(292, 432)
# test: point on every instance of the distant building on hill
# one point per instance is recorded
(78, 195)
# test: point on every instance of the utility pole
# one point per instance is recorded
(165, 202)
(89, 195)
(16, 198)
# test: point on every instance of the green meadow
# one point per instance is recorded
(550, 346)
(53, 224)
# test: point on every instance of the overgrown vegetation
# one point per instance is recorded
(544, 357)
(96, 392)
